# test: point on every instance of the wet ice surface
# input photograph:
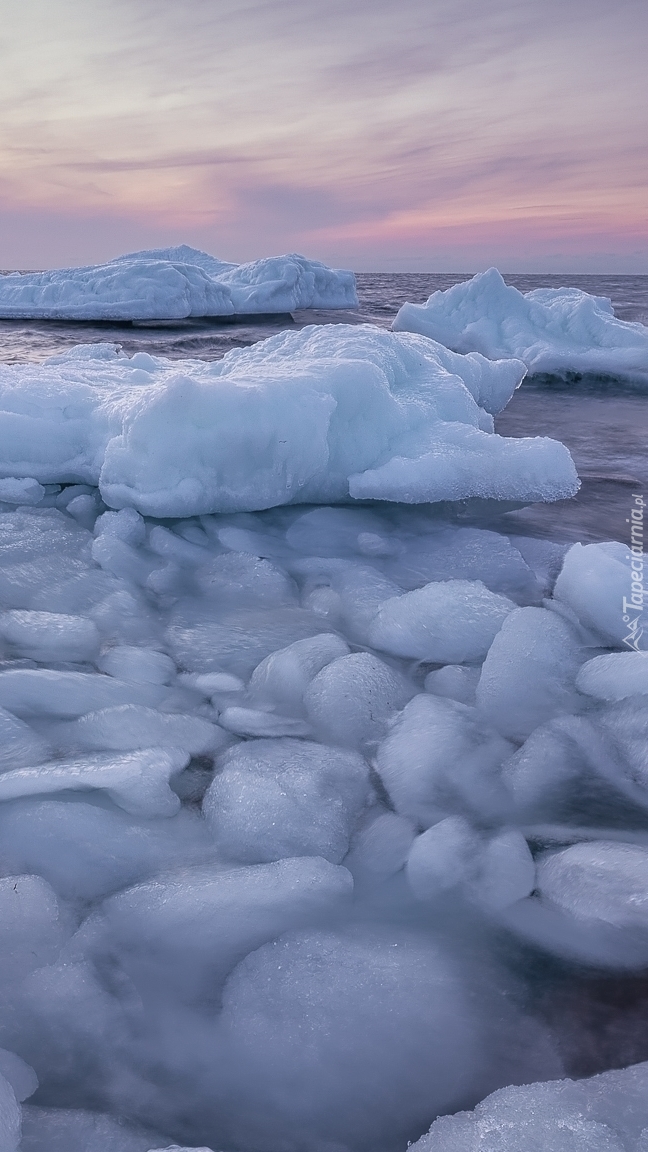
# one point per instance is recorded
(318, 823)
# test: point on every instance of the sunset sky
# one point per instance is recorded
(425, 134)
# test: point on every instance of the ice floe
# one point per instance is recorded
(174, 284)
(561, 332)
(321, 415)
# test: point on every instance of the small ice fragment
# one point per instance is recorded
(254, 722)
(21, 491)
(455, 682)
(440, 757)
(352, 699)
(446, 622)
(139, 665)
(491, 872)
(590, 904)
(283, 677)
(130, 726)
(529, 673)
(596, 583)
(444, 857)
(614, 676)
(49, 636)
(277, 798)
(381, 847)
(137, 782)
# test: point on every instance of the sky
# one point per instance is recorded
(423, 135)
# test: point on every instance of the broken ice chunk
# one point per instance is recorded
(282, 678)
(352, 699)
(492, 872)
(43, 692)
(529, 673)
(591, 904)
(593, 766)
(440, 758)
(139, 665)
(605, 1113)
(23, 490)
(614, 676)
(278, 798)
(138, 783)
(49, 636)
(447, 622)
(596, 583)
(133, 726)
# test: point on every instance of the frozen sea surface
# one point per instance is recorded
(319, 822)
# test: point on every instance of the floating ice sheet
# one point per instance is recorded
(322, 415)
(173, 284)
(556, 331)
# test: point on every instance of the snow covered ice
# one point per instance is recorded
(607, 1113)
(297, 760)
(175, 283)
(321, 415)
(558, 332)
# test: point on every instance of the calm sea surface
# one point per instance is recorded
(606, 428)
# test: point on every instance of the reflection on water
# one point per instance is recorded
(605, 430)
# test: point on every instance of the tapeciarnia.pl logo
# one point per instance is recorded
(633, 607)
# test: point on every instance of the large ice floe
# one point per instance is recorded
(175, 284)
(302, 808)
(558, 332)
(324, 414)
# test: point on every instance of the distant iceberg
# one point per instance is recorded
(559, 332)
(175, 284)
(327, 414)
